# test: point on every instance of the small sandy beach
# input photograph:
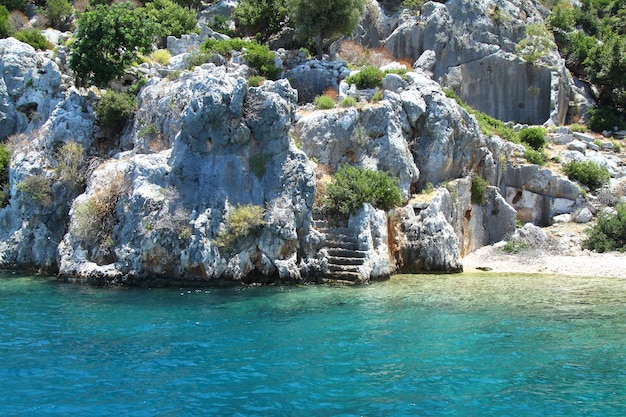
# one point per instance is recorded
(563, 257)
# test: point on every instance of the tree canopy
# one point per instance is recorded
(321, 20)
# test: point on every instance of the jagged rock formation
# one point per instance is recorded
(157, 199)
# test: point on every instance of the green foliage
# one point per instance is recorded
(368, 77)
(378, 95)
(352, 186)
(537, 157)
(258, 56)
(604, 118)
(4, 17)
(241, 222)
(478, 190)
(413, 5)
(587, 173)
(191, 4)
(595, 45)
(536, 44)
(220, 25)
(108, 40)
(535, 137)
(59, 13)
(162, 56)
(71, 165)
(261, 16)
(609, 232)
(577, 127)
(114, 109)
(488, 125)
(34, 38)
(348, 102)
(258, 164)
(14, 4)
(515, 246)
(37, 188)
(256, 81)
(5, 160)
(320, 20)
(324, 102)
(171, 19)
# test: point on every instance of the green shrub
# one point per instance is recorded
(348, 102)
(256, 81)
(478, 190)
(535, 137)
(114, 109)
(368, 77)
(4, 19)
(535, 157)
(162, 56)
(37, 188)
(515, 246)
(71, 165)
(577, 127)
(34, 38)
(243, 221)
(350, 187)
(5, 159)
(413, 5)
(604, 118)
(258, 165)
(378, 95)
(617, 147)
(260, 57)
(324, 102)
(59, 13)
(587, 173)
(609, 232)
(171, 19)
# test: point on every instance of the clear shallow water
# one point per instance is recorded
(413, 346)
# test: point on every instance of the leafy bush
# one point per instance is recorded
(352, 186)
(324, 102)
(256, 81)
(536, 44)
(34, 38)
(413, 5)
(609, 232)
(162, 56)
(348, 102)
(535, 157)
(114, 109)
(368, 77)
(243, 221)
(37, 188)
(260, 57)
(587, 173)
(478, 190)
(261, 16)
(171, 19)
(535, 137)
(515, 246)
(378, 95)
(5, 159)
(604, 118)
(4, 19)
(108, 40)
(59, 13)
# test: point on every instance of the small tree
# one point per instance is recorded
(4, 18)
(59, 13)
(536, 44)
(108, 40)
(324, 19)
(261, 16)
(171, 19)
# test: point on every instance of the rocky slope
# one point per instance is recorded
(203, 143)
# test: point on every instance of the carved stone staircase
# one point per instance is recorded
(344, 255)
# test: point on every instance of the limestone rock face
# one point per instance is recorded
(474, 44)
(227, 145)
(426, 241)
(31, 86)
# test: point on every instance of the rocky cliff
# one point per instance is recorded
(158, 200)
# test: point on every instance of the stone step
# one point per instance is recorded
(346, 253)
(343, 244)
(334, 269)
(339, 260)
(351, 277)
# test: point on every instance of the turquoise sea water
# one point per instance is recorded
(458, 345)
